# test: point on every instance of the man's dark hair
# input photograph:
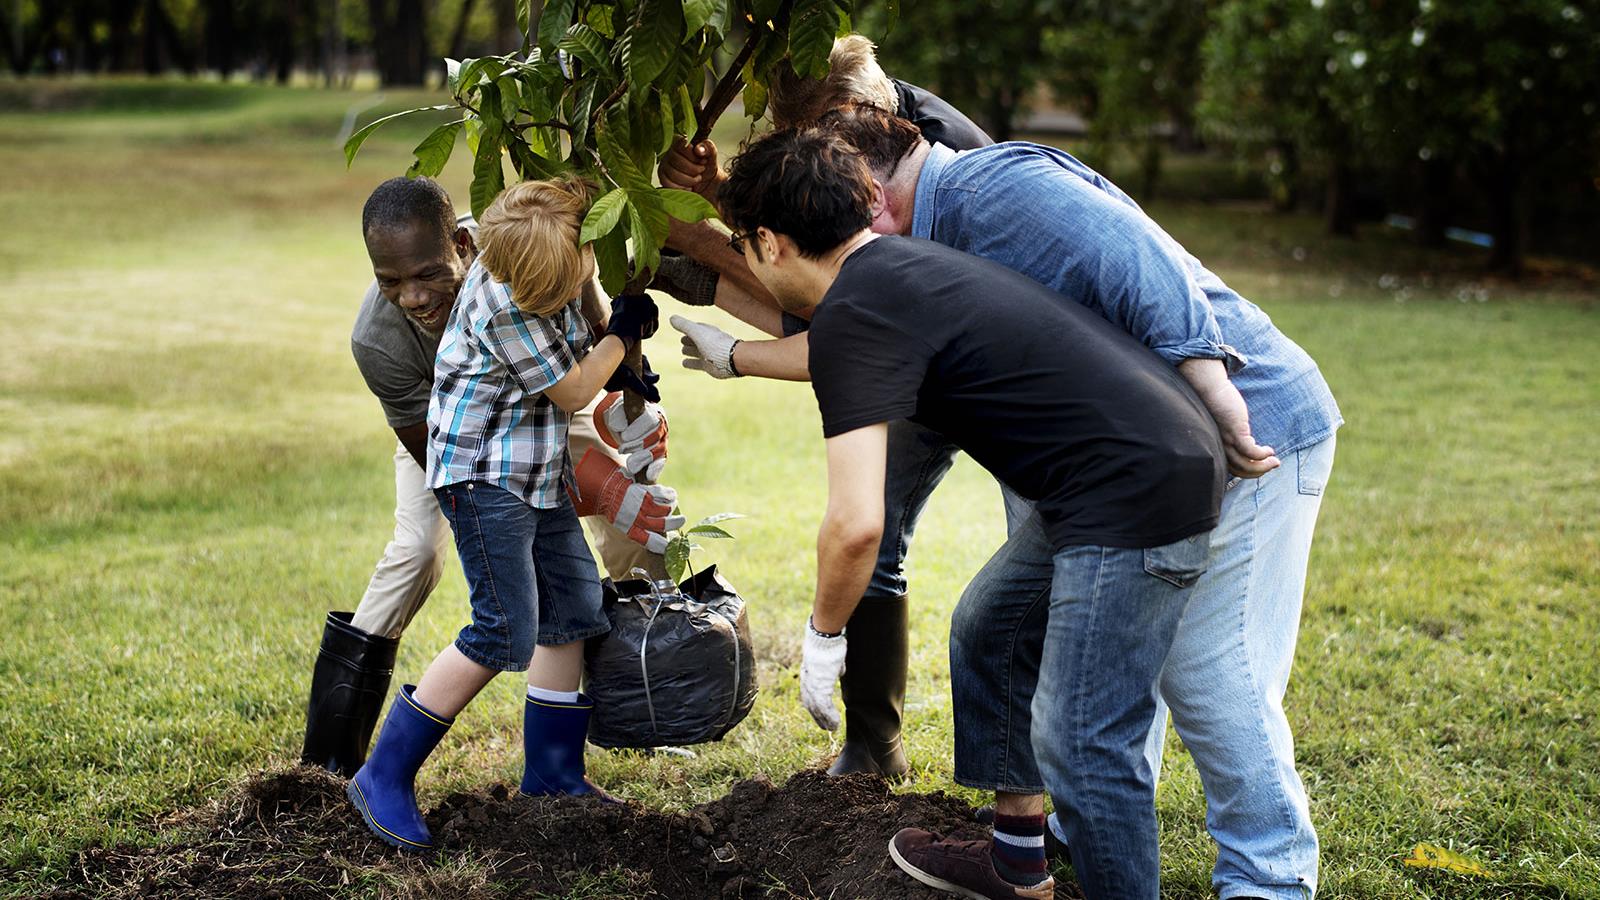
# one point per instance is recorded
(807, 184)
(406, 202)
(882, 138)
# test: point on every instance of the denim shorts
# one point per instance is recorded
(530, 576)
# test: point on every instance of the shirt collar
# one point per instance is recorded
(938, 157)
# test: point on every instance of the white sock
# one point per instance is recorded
(538, 693)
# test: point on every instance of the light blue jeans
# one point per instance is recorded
(1224, 678)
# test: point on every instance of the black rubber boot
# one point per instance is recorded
(874, 689)
(348, 687)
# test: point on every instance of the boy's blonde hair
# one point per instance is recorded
(528, 240)
(854, 76)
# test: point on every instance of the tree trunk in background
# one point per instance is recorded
(122, 52)
(400, 41)
(458, 35)
(507, 33)
(286, 33)
(331, 41)
(1286, 181)
(1437, 175)
(221, 53)
(85, 51)
(1505, 215)
(1002, 113)
(1341, 201)
(163, 45)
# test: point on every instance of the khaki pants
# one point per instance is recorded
(414, 558)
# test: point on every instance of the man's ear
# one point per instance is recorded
(769, 243)
(464, 244)
(880, 199)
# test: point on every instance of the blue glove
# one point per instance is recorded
(633, 318)
(642, 382)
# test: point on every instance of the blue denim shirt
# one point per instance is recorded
(1043, 213)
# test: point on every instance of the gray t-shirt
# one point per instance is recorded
(395, 358)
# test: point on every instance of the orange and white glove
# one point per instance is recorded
(642, 443)
(641, 511)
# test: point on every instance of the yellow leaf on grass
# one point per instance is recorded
(1427, 856)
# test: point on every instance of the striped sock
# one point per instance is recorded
(1018, 849)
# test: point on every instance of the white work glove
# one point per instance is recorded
(642, 444)
(821, 664)
(706, 347)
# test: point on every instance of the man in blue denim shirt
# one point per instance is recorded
(1043, 213)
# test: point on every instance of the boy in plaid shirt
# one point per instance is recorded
(517, 359)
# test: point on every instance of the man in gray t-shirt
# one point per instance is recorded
(420, 254)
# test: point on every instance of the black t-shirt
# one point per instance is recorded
(940, 122)
(1061, 405)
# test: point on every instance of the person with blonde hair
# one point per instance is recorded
(517, 359)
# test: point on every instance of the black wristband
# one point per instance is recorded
(731, 367)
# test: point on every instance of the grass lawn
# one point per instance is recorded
(192, 474)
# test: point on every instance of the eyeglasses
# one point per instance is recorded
(736, 241)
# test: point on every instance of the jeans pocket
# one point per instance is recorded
(1180, 563)
(1308, 478)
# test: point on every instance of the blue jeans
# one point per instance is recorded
(529, 574)
(918, 459)
(1081, 708)
(1225, 676)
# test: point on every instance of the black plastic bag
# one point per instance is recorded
(676, 667)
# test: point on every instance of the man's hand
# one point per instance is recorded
(821, 664)
(643, 512)
(692, 168)
(1209, 378)
(642, 442)
(706, 347)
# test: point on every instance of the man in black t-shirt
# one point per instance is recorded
(874, 680)
(1121, 460)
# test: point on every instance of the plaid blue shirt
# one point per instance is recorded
(488, 419)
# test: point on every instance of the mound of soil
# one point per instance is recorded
(292, 834)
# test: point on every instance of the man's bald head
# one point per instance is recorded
(419, 255)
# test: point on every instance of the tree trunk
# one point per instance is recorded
(1285, 186)
(1505, 209)
(122, 53)
(332, 42)
(401, 42)
(507, 33)
(221, 37)
(458, 35)
(1437, 175)
(1341, 201)
(1002, 112)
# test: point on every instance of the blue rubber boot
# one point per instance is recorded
(552, 740)
(384, 790)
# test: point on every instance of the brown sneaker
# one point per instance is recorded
(960, 867)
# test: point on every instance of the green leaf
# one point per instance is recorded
(582, 108)
(812, 28)
(474, 133)
(676, 558)
(611, 258)
(685, 206)
(614, 156)
(765, 10)
(722, 17)
(532, 164)
(603, 216)
(720, 517)
(755, 99)
(510, 96)
(360, 137)
(488, 177)
(600, 19)
(589, 47)
(696, 13)
(684, 111)
(474, 71)
(434, 151)
(709, 531)
(524, 12)
(652, 212)
(668, 131)
(641, 222)
(452, 73)
(654, 40)
(553, 23)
